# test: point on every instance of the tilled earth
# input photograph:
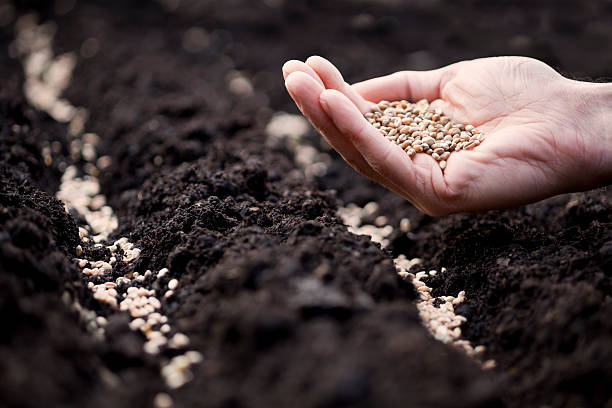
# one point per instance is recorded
(285, 305)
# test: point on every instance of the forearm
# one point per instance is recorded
(595, 120)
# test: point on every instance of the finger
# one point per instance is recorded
(332, 78)
(298, 66)
(415, 179)
(410, 85)
(305, 91)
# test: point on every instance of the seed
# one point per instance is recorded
(420, 275)
(154, 302)
(162, 400)
(136, 323)
(150, 347)
(429, 140)
(194, 357)
(479, 349)
(453, 131)
(179, 340)
(442, 164)
(173, 284)
(416, 128)
(489, 364)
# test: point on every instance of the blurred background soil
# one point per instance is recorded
(180, 93)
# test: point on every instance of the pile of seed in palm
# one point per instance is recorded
(417, 128)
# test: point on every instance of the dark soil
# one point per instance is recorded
(287, 307)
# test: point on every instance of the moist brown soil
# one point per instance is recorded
(287, 307)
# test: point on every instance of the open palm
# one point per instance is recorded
(532, 147)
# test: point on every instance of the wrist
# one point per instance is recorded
(595, 122)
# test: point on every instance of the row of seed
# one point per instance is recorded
(440, 318)
(140, 302)
(417, 128)
(143, 305)
(46, 77)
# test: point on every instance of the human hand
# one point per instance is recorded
(544, 134)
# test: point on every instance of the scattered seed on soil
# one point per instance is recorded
(423, 129)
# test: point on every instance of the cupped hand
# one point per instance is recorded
(536, 141)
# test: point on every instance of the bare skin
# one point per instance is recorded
(544, 134)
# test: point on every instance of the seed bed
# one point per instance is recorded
(417, 128)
